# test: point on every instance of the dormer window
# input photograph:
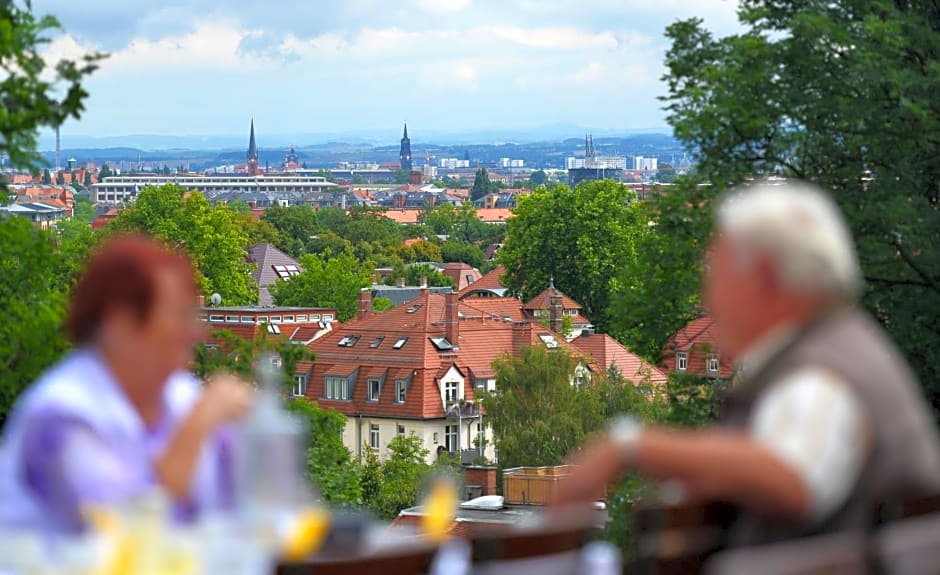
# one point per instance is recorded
(713, 363)
(442, 344)
(375, 387)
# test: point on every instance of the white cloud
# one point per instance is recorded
(557, 38)
(446, 6)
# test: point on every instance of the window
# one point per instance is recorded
(549, 340)
(248, 319)
(401, 429)
(231, 319)
(713, 363)
(571, 312)
(327, 317)
(400, 390)
(348, 341)
(275, 319)
(434, 438)
(288, 319)
(682, 361)
(216, 318)
(272, 328)
(337, 388)
(377, 342)
(375, 386)
(262, 319)
(469, 279)
(442, 344)
(450, 392)
(450, 438)
(315, 317)
(401, 342)
(373, 436)
(301, 318)
(276, 361)
(300, 385)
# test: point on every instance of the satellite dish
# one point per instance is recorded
(215, 299)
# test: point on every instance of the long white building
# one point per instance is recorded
(120, 189)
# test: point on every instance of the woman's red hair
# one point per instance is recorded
(122, 274)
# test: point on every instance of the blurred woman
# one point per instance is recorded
(120, 414)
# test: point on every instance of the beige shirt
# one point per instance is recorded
(812, 421)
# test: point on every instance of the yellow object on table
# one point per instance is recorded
(440, 509)
(307, 534)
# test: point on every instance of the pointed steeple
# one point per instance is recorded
(252, 146)
(405, 152)
(405, 136)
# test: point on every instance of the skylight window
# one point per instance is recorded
(549, 341)
(273, 328)
(401, 342)
(377, 342)
(442, 344)
(414, 308)
(282, 272)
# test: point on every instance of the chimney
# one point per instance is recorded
(451, 313)
(202, 300)
(365, 303)
(401, 282)
(556, 312)
(424, 281)
(521, 336)
(375, 279)
(479, 477)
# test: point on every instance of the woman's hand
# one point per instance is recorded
(225, 399)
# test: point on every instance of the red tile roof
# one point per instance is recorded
(462, 274)
(698, 340)
(543, 300)
(404, 216)
(481, 339)
(494, 215)
(492, 280)
(608, 352)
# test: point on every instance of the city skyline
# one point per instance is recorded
(450, 66)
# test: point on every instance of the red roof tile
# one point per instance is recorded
(494, 215)
(405, 216)
(491, 280)
(543, 300)
(608, 352)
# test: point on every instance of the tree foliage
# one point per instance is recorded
(32, 306)
(295, 225)
(465, 252)
(211, 235)
(327, 281)
(845, 95)
(35, 93)
(481, 184)
(582, 237)
(394, 483)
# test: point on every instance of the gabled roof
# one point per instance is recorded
(543, 300)
(272, 265)
(491, 282)
(608, 352)
(698, 339)
(700, 330)
(463, 274)
(494, 215)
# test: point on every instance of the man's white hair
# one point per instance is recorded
(800, 228)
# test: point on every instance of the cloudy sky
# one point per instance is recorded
(334, 66)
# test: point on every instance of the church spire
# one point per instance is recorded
(405, 153)
(405, 136)
(252, 163)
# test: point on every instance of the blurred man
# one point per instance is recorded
(825, 422)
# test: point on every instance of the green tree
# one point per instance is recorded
(481, 184)
(46, 177)
(846, 96)
(211, 235)
(538, 178)
(295, 226)
(457, 251)
(538, 417)
(402, 177)
(382, 303)
(87, 181)
(330, 466)
(105, 172)
(414, 274)
(581, 237)
(84, 210)
(35, 93)
(326, 174)
(33, 306)
(60, 178)
(659, 290)
(421, 251)
(327, 281)
(75, 242)
(394, 484)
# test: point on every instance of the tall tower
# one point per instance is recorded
(405, 153)
(252, 162)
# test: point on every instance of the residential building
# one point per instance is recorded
(418, 368)
(43, 215)
(511, 163)
(299, 325)
(494, 215)
(694, 350)
(452, 163)
(462, 274)
(271, 266)
(488, 286)
(610, 354)
(542, 308)
(52, 195)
